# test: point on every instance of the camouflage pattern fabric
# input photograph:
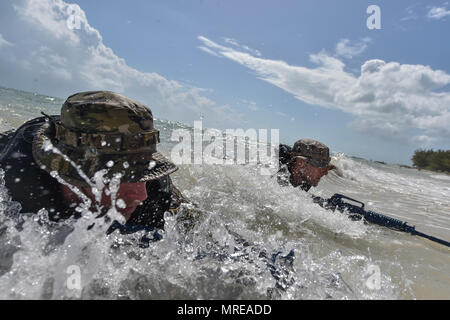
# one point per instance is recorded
(101, 130)
(313, 152)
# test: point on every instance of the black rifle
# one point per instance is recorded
(356, 212)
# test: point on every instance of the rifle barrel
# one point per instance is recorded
(420, 234)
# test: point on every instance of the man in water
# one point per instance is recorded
(100, 152)
(304, 164)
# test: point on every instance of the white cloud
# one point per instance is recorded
(252, 106)
(3, 42)
(423, 140)
(207, 50)
(347, 49)
(231, 41)
(409, 13)
(388, 99)
(246, 48)
(52, 58)
(438, 12)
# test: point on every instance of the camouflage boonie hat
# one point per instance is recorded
(313, 152)
(101, 130)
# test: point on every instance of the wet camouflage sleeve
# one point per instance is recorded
(177, 200)
(188, 215)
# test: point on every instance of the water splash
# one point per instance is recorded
(206, 259)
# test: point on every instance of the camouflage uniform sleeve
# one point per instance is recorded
(177, 200)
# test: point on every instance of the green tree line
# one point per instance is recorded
(432, 160)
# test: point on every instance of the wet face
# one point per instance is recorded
(132, 194)
(303, 172)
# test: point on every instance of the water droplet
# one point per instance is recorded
(110, 163)
(151, 165)
(103, 143)
(121, 204)
(16, 180)
(126, 165)
(47, 145)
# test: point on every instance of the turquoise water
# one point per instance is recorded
(334, 257)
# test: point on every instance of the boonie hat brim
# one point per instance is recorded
(80, 166)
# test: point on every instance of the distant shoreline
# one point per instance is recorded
(427, 170)
(435, 161)
(432, 171)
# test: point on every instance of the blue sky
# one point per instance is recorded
(250, 64)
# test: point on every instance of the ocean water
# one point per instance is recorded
(333, 257)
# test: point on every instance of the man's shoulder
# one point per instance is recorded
(5, 137)
(16, 145)
(26, 183)
(284, 149)
(177, 196)
(22, 135)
